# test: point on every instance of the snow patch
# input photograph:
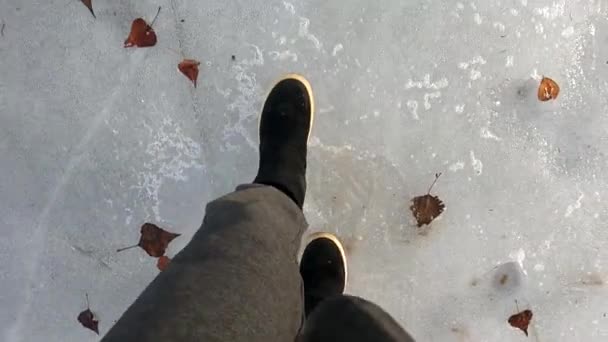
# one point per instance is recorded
(283, 55)
(475, 75)
(427, 84)
(337, 49)
(428, 97)
(304, 33)
(575, 206)
(326, 109)
(457, 166)
(487, 134)
(499, 26)
(289, 7)
(477, 18)
(568, 32)
(413, 106)
(171, 154)
(518, 256)
(475, 61)
(551, 12)
(476, 164)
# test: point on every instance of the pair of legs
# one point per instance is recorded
(238, 279)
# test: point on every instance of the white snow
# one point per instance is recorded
(97, 139)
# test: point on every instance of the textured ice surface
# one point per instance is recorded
(96, 139)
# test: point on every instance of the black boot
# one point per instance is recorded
(285, 126)
(323, 269)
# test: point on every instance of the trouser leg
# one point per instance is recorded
(353, 319)
(237, 280)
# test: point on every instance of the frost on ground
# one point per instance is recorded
(109, 138)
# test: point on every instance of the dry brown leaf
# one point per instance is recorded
(154, 240)
(521, 320)
(87, 319)
(142, 34)
(548, 89)
(189, 67)
(89, 5)
(426, 208)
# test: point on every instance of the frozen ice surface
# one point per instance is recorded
(96, 139)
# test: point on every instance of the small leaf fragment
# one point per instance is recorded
(521, 320)
(548, 89)
(141, 35)
(163, 262)
(189, 67)
(89, 5)
(88, 320)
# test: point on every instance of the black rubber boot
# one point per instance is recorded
(323, 270)
(285, 126)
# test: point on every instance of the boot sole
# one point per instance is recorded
(332, 238)
(308, 87)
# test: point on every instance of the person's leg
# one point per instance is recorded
(285, 126)
(330, 315)
(238, 280)
(347, 318)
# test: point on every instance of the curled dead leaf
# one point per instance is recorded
(154, 240)
(426, 208)
(521, 320)
(548, 89)
(87, 318)
(189, 67)
(163, 262)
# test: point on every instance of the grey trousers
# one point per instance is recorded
(238, 280)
